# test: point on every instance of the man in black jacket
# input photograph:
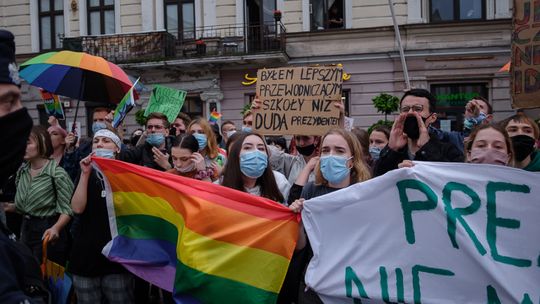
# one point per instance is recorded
(15, 124)
(410, 139)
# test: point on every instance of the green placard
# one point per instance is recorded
(167, 101)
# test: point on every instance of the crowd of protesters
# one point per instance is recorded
(61, 199)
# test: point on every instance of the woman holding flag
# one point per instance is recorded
(95, 277)
(248, 169)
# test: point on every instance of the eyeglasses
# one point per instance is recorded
(415, 108)
(157, 127)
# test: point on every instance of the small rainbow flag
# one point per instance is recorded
(52, 104)
(214, 117)
(204, 242)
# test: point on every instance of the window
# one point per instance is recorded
(457, 10)
(193, 106)
(451, 101)
(180, 18)
(326, 14)
(51, 23)
(101, 17)
(346, 97)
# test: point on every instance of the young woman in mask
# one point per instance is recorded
(187, 160)
(489, 144)
(95, 277)
(524, 133)
(307, 147)
(378, 139)
(341, 165)
(248, 170)
(208, 146)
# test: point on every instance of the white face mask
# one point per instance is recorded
(230, 133)
(189, 168)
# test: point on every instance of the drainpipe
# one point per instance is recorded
(401, 53)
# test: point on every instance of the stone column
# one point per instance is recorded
(212, 98)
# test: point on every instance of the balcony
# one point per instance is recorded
(209, 44)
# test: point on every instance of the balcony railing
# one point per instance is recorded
(230, 40)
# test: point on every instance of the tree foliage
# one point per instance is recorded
(386, 104)
(140, 118)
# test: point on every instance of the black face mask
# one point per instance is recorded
(134, 140)
(307, 150)
(523, 146)
(410, 127)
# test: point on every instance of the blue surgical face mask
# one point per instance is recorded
(375, 152)
(253, 163)
(98, 125)
(201, 139)
(155, 139)
(334, 168)
(247, 129)
(471, 122)
(105, 153)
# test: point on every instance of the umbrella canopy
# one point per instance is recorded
(77, 75)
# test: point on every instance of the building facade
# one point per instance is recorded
(213, 48)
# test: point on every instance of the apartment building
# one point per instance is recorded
(213, 48)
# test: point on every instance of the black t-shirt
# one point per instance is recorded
(311, 190)
(92, 233)
(294, 282)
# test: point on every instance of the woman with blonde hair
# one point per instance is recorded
(208, 146)
(341, 165)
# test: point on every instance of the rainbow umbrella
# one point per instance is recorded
(77, 75)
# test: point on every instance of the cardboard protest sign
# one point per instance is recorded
(167, 101)
(525, 67)
(52, 103)
(428, 234)
(298, 100)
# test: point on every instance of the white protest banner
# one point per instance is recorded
(434, 233)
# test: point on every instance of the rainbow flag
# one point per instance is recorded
(214, 117)
(126, 104)
(52, 104)
(204, 242)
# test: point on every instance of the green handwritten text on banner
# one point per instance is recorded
(298, 100)
(167, 101)
(428, 234)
